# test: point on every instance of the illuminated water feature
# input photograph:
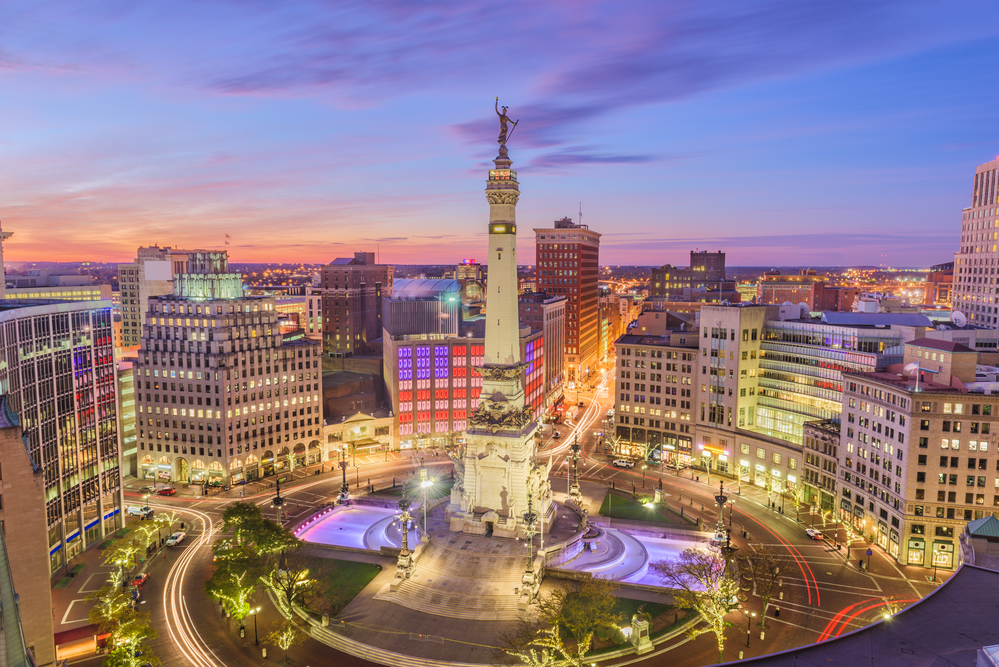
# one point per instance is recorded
(619, 556)
(359, 527)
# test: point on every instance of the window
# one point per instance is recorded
(918, 528)
(944, 531)
(760, 454)
(924, 424)
(776, 458)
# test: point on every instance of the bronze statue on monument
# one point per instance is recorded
(504, 124)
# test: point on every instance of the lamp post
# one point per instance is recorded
(404, 566)
(721, 499)
(256, 637)
(575, 495)
(344, 487)
(644, 466)
(749, 623)
(425, 484)
(278, 500)
(530, 530)
(935, 552)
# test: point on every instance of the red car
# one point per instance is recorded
(167, 491)
(140, 579)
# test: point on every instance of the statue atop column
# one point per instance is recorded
(504, 121)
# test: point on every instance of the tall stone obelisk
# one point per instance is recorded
(500, 470)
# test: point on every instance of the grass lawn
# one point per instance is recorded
(623, 505)
(626, 607)
(348, 577)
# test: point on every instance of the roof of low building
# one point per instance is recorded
(875, 319)
(937, 344)
(984, 527)
(423, 288)
(947, 627)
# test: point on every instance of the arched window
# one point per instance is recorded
(165, 460)
(235, 464)
(198, 464)
(147, 460)
(215, 465)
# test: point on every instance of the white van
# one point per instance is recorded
(138, 510)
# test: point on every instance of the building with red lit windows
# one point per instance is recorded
(433, 385)
(568, 257)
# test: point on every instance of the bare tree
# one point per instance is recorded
(764, 566)
(701, 581)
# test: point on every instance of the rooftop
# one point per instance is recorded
(337, 378)
(423, 288)
(904, 382)
(660, 341)
(944, 345)
(947, 627)
(875, 319)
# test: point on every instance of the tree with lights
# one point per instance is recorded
(701, 581)
(763, 566)
(285, 635)
(127, 629)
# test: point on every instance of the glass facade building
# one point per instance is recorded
(801, 370)
(57, 369)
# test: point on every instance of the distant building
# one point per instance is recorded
(352, 292)
(977, 259)
(546, 313)
(655, 382)
(568, 264)
(704, 280)
(938, 285)
(43, 284)
(803, 287)
(153, 273)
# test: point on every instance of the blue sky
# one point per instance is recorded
(781, 132)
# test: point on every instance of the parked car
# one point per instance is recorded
(147, 489)
(137, 510)
(814, 534)
(140, 579)
(176, 539)
(624, 463)
(167, 491)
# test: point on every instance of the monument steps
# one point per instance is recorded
(417, 597)
(455, 564)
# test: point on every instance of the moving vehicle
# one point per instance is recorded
(138, 510)
(147, 489)
(176, 539)
(814, 534)
(167, 491)
(624, 463)
(139, 579)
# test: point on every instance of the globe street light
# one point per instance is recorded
(425, 485)
(749, 622)
(256, 637)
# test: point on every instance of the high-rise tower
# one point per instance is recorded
(501, 479)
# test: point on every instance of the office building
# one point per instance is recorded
(546, 313)
(918, 458)
(821, 444)
(655, 383)
(567, 264)
(433, 385)
(221, 395)
(977, 259)
(802, 361)
(152, 274)
(352, 292)
(125, 377)
(704, 280)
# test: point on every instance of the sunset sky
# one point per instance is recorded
(784, 132)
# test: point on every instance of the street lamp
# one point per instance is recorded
(644, 466)
(344, 487)
(750, 615)
(425, 485)
(278, 500)
(256, 637)
(935, 552)
(721, 499)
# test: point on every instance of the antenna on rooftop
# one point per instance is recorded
(580, 212)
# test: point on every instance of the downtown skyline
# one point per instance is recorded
(822, 134)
